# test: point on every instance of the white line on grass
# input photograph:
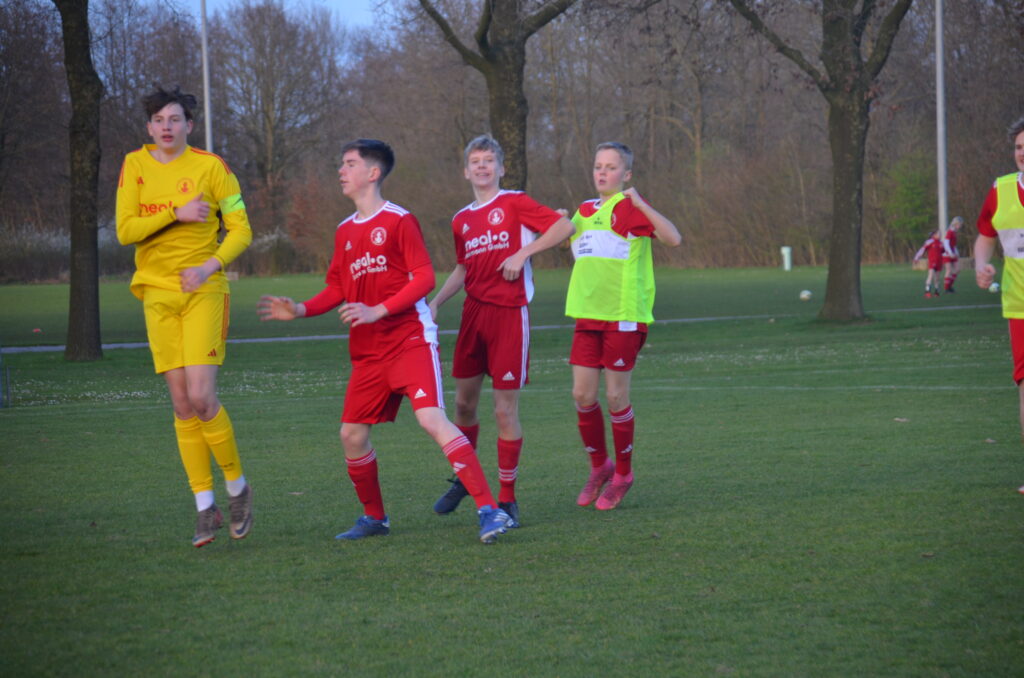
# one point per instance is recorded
(534, 328)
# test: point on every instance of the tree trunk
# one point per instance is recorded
(508, 111)
(86, 90)
(847, 130)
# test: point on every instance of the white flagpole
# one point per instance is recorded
(208, 120)
(940, 116)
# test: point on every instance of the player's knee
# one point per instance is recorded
(465, 409)
(584, 397)
(205, 406)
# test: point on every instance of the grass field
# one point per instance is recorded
(811, 500)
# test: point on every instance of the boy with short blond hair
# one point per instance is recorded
(494, 237)
(611, 296)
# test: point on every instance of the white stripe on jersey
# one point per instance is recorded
(524, 315)
(428, 325)
(526, 236)
(473, 206)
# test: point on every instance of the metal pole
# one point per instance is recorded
(940, 116)
(207, 119)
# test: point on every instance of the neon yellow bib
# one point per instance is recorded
(613, 277)
(1009, 224)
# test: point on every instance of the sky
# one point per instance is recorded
(354, 13)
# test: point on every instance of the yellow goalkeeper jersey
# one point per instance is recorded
(148, 193)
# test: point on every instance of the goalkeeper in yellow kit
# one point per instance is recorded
(168, 199)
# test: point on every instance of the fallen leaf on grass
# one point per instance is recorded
(901, 420)
(927, 554)
(989, 440)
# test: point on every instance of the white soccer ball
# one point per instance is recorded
(805, 295)
(994, 288)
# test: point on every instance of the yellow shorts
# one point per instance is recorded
(185, 329)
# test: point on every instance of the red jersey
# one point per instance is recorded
(988, 210)
(381, 260)
(486, 235)
(950, 252)
(627, 221)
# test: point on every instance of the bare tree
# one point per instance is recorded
(277, 75)
(501, 33)
(83, 342)
(848, 85)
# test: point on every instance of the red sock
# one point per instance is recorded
(471, 433)
(508, 468)
(363, 472)
(622, 433)
(591, 425)
(467, 467)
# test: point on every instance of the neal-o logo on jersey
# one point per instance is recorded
(496, 216)
(186, 186)
(378, 236)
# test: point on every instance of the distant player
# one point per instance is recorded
(379, 274)
(611, 295)
(1002, 218)
(169, 196)
(933, 248)
(950, 254)
(495, 236)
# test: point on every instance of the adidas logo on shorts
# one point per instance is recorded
(212, 354)
(509, 377)
(420, 393)
(619, 363)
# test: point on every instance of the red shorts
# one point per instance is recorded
(934, 261)
(375, 390)
(1017, 348)
(493, 340)
(615, 350)
(949, 260)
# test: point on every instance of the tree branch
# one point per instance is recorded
(468, 55)
(780, 45)
(547, 12)
(886, 36)
(861, 22)
(484, 26)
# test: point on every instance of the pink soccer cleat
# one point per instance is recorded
(615, 491)
(596, 481)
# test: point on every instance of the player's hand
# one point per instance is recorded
(276, 308)
(563, 212)
(196, 209)
(985, 275)
(433, 311)
(634, 196)
(193, 278)
(512, 267)
(358, 313)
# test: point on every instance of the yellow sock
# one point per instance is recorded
(195, 454)
(220, 436)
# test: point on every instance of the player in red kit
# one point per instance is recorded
(933, 247)
(495, 236)
(379, 274)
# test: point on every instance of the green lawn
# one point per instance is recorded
(811, 499)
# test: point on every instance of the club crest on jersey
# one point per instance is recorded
(496, 216)
(186, 186)
(378, 236)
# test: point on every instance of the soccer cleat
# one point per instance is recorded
(240, 510)
(493, 521)
(512, 509)
(615, 491)
(449, 501)
(367, 527)
(1021, 489)
(927, 295)
(207, 523)
(596, 481)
